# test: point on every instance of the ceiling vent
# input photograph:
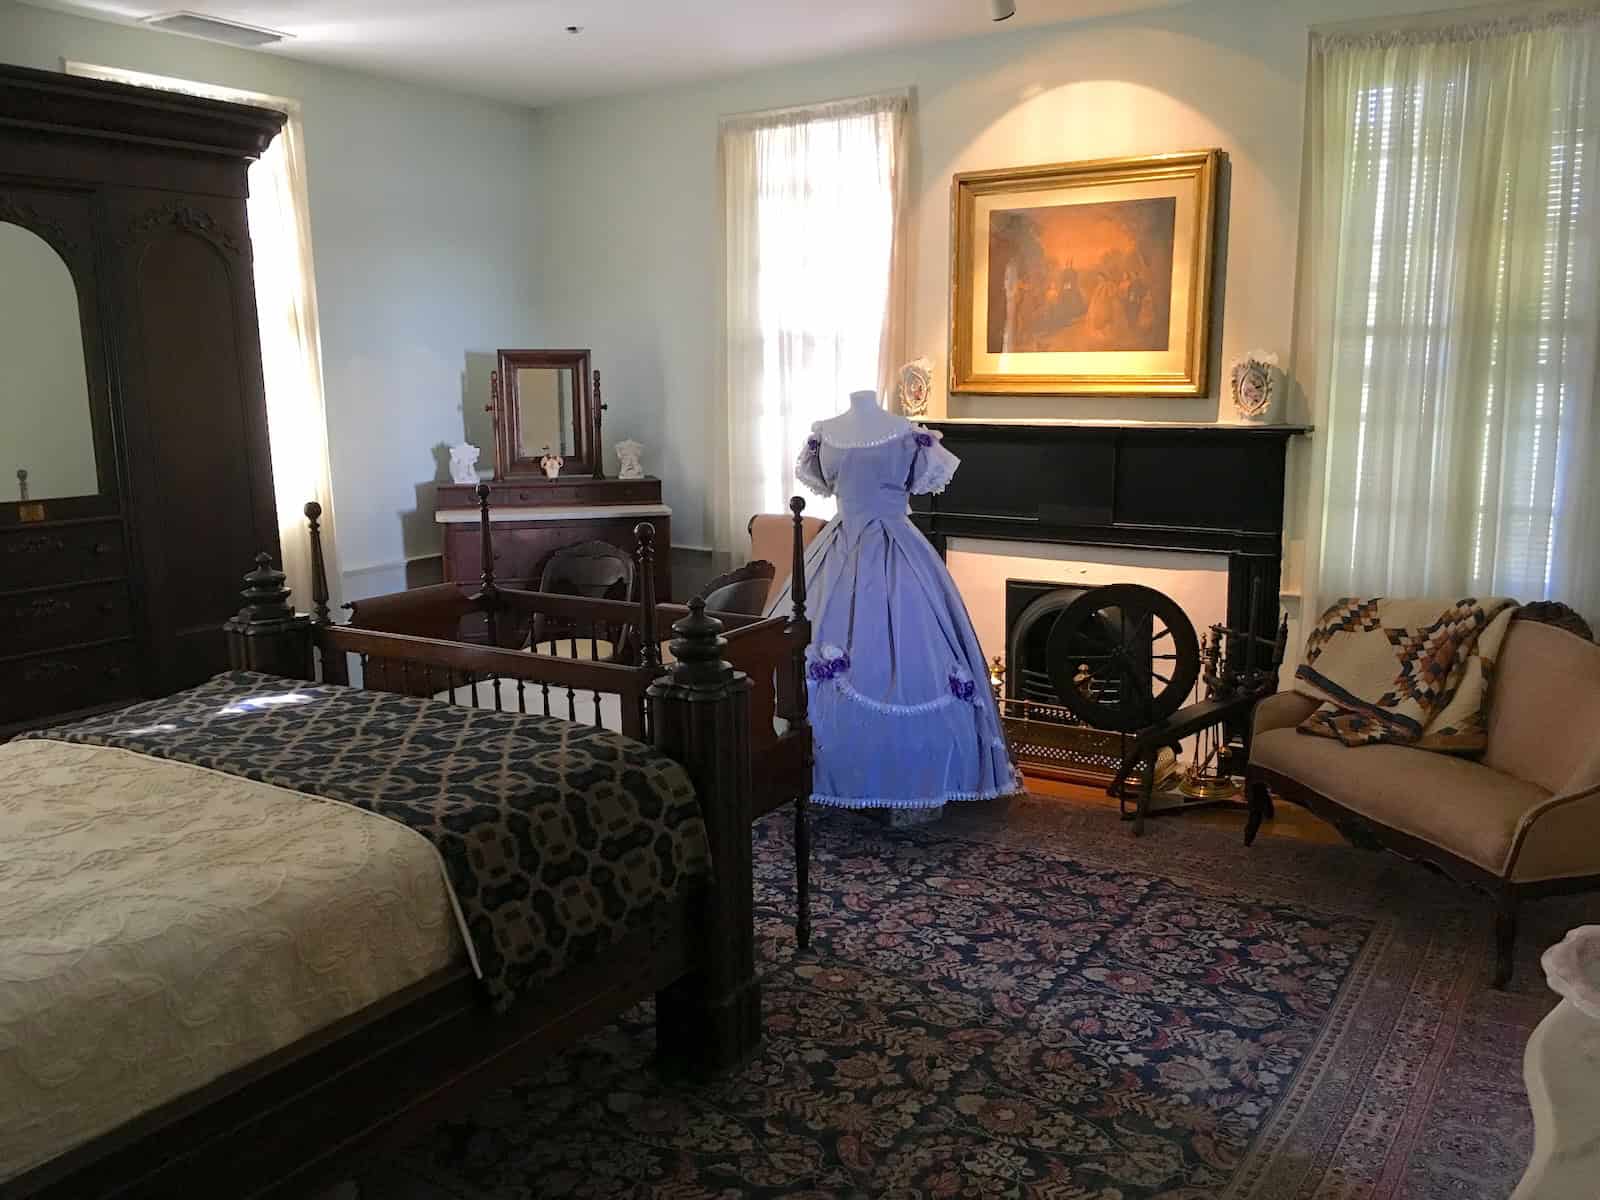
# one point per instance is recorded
(215, 29)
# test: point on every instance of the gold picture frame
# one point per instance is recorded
(1028, 317)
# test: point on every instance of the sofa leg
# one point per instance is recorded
(1505, 940)
(1259, 799)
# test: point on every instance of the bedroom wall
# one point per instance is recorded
(627, 256)
(423, 235)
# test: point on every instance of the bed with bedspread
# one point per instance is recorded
(253, 931)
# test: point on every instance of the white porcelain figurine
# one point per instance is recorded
(464, 463)
(916, 378)
(551, 464)
(628, 453)
(1257, 386)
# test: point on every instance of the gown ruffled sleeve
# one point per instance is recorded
(808, 467)
(933, 465)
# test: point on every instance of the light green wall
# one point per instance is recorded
(628, 251)
(423, 229)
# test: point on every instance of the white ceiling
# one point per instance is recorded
(519, 50)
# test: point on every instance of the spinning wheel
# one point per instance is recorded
(1123, 657)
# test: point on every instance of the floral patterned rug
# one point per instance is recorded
(1024, 1001)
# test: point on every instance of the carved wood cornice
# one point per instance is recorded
(184, 218)
(18, 212)
(98, 108)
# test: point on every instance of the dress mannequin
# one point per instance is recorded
(863, 423)
(901, 719)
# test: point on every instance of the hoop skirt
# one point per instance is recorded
(901, 708)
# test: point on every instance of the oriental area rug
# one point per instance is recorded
(1024, 1001)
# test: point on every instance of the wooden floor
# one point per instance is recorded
(1291, 820)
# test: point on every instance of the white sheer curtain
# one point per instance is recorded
(1448, 308)
(286, 310)
(813, 302)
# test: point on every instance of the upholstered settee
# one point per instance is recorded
(1520, 821)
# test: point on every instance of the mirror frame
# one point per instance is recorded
(508, 463)
(64, 221)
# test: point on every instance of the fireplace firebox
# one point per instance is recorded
(1203, 488)
(1045, 737)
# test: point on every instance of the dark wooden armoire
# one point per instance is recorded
(124, 530)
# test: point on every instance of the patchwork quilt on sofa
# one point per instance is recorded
(1404, 671)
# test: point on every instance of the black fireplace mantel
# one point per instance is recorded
(1207, 488)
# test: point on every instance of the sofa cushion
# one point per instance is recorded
(1454, 803)
(1544, 705)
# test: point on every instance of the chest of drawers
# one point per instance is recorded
(66, 620)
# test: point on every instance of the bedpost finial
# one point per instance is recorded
(698, 648)
(797, 568)
(265, 596)
(319, 566)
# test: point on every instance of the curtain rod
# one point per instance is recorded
(789, 110)
(1446, 18)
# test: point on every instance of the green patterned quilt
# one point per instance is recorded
(557, 838)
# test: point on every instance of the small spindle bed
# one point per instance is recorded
(314, 1111)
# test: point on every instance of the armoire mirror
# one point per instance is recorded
(46, 433)
(542, 406)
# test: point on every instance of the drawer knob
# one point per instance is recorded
(102, 548)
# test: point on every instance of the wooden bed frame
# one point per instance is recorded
(315, 1112)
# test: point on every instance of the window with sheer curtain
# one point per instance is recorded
(1449, 308)
(286, 312)
(812, 202)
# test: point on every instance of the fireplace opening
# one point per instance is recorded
(1031, 610)
(1045, 736)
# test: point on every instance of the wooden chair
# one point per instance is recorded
(593, 570)
(744, 590)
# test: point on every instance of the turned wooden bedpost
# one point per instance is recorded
(334, 669)
(267, 635)
(700, 710)
(644, 541)
(599, 416)
(489, 593)
(799, 633)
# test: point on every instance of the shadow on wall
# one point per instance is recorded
(477, 425)
(418, 532)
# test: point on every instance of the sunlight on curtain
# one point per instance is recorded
(1450, 309)
(286, 310)
(812, 207)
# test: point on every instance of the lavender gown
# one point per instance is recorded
(900, 701)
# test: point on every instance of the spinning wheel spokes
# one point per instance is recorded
(1103, 661)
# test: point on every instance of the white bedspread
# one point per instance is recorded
(163, 924)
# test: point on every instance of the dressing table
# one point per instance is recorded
(546, 402)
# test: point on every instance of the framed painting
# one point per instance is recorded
(1089, 278)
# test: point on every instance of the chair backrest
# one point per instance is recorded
(772, 538)
(596, 570)
(1545, 704)
(741, 591)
